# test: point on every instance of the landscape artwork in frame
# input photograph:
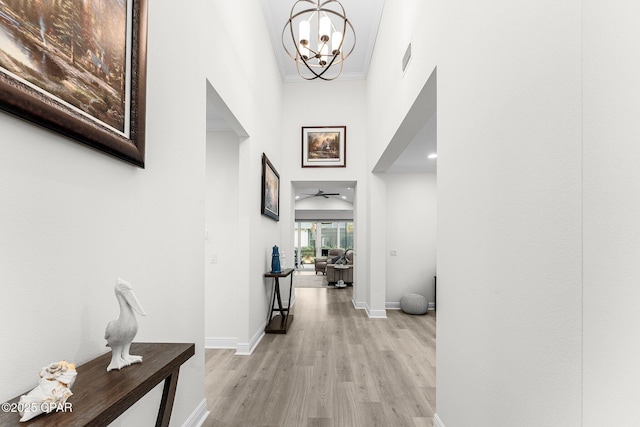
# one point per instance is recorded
(78, 68)
(324, 146)
(270, 190)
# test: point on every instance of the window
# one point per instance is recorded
(313, 237)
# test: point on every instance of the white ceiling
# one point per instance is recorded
(415, 158)
(335, 207)
(365, 17)
(307, 189)
(215, 121)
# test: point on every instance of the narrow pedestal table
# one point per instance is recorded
(99, 397)
(340, 269)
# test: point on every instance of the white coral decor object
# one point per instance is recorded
(52, 391)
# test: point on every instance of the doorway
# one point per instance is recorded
(314, 238)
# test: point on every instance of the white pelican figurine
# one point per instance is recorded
(120, 332)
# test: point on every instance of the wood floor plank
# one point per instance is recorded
(335, 367)
(322, 385)
(296, 412)
(343, 413)
(364, 380)
(422, 422)
(372, 414)
(320, 422)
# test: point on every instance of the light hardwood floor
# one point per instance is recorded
(335, 367)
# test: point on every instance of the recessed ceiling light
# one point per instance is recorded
(344, 197)
(432, 156)
(297, 197)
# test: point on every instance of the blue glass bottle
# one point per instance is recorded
(275, 261)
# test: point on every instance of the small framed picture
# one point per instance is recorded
(270, 190)
(324, 147)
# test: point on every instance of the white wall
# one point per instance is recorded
(253, 95)
(611, 106)
(509, 199)
(390, 96)
(336, 103)
(537, 205)
(390, 93)
(509, 218)
(223, 256)
(411, 232)
(72, 220)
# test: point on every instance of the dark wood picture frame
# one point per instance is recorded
(270, 190)
(324, 147)
(34, 103)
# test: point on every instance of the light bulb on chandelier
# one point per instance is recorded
(333, 29)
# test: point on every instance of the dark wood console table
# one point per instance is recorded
(99, 397)
(280, 323)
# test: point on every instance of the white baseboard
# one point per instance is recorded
(392, 305)
(437, 422)
(245, 349)
(198, 416)
(220, 343)
(372, 314)
(376, 314)
(359, 305)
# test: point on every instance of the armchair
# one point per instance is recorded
(321, 262)
(347, 275)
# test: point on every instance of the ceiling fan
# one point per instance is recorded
(322, 193)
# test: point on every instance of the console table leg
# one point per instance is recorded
(168, 395)
(277, 285)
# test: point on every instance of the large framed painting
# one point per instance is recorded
(78, 68)
(324, 147)
(270, 190)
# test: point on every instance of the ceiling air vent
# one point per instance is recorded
(406, 58)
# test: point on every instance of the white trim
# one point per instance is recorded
(359, 305)
(372, 314)
(245, 349)
(392, 305)
(198, 416)
(437, 422)
(376, 314)
(219, 343)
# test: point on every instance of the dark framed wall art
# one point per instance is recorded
(270, 190)
(324, 147)
(78, 68)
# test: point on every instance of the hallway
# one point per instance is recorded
(335, 367)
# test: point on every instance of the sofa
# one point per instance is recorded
(321, 262)
(333, 275)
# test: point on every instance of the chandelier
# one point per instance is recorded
(314, 58)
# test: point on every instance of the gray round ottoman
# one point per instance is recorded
(414, 304)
